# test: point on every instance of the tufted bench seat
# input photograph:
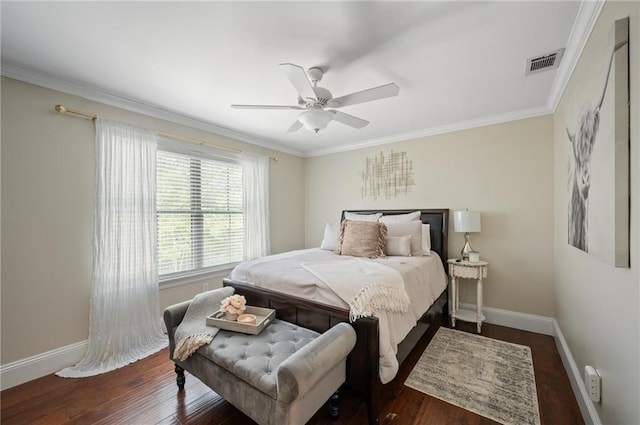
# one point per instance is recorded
(281, 376)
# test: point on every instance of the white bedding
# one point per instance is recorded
(424, 280)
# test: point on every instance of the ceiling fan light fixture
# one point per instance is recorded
(315, 119)
(313, 99)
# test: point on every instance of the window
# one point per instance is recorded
(199, 212)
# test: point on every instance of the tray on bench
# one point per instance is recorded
(264, 316)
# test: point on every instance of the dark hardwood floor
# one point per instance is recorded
(146, 393)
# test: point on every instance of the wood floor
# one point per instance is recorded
(146, 393)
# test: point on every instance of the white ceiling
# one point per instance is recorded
(458, 64)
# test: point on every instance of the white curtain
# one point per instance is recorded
(255, 185)
(125, 323)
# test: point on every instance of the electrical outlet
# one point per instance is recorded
(592, 381)
(205, 287)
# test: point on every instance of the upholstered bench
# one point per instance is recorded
(281, 376)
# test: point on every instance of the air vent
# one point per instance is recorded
(544, 62)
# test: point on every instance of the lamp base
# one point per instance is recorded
(466, 249)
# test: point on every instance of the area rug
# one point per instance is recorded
(489, 377)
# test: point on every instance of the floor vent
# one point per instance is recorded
(543, 62)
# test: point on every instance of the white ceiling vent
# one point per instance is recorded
(544, 62)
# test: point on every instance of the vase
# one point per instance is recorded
(230, 316)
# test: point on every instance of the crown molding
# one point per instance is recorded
(433, 131)
(53, 82)
(582, 27)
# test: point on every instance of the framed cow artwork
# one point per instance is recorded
(598, 152)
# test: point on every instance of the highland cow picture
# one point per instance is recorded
(598, 156)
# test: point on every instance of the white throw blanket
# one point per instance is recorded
(366, 286)
(193, 332)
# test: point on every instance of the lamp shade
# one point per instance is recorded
(315, 119)
(466, 221)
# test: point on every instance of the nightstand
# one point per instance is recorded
(460, 269)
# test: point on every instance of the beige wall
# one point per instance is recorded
(515, 173)
(597, 304)
(47, 215)
(505, 171)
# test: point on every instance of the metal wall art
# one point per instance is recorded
(387, 175)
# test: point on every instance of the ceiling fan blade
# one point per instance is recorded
(298, 77)
(295, 127)
(266, 107)
(349, 120)
(388, 90)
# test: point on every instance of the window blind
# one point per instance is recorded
(199, 211)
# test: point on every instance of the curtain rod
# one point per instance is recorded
(64, 110)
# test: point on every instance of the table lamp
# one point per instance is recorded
(466, 222)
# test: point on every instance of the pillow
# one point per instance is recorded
(362, 239)
(412, 228)
(399, 245)
(362, 217)
(331, 237)
(400, 218)
(426, 239)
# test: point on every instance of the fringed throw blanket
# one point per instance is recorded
(366, 286)
(193, 332)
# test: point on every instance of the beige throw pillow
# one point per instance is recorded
(411, 228)
(398, 246)
(362, 239)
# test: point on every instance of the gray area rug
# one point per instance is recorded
(489, 377)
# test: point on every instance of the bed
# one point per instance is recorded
(371, 363)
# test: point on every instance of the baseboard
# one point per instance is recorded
(547, 326)
(512, 319)
(588, 410)
(21, 371)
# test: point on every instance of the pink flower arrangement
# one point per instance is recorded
(235, 304)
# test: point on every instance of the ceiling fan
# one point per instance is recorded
(314, 100)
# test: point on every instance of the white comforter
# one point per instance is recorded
(424, 280)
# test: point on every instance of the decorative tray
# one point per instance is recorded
(264, 316)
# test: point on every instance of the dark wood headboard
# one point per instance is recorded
(438, 219)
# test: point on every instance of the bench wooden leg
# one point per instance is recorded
(180, 379)
(333, 406)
